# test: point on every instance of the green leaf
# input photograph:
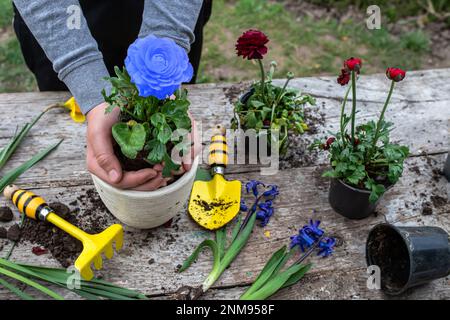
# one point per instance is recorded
(206, 243)
(157, 151)
(169, 166)
(297, 276)
(158, 119)
(15, 290)
(267, 272)
(250, 120)
(182, 122)
(257, 104)
(13, 174)
(164, 133)
(131, 138)
(203, 175)
(221, 240)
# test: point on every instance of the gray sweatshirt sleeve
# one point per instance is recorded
(173, 19)
(74, 52)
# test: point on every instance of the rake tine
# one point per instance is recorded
(118, 239)
(109, 251)
(98, 262)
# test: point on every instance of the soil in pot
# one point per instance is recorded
(389, 252)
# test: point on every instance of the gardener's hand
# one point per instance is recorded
(101, 160)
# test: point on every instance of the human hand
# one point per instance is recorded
(102, 162)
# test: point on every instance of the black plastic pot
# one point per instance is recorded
(350, 202)
(408, 256)
(447, 167)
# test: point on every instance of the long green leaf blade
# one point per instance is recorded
(13, 174)
(297, 276)
(267, 271)
(206, 243)
(31, 283)
(15, 290)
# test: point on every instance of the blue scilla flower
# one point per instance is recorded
(252, 185)
(302, 239)
(265, 212)
(272, 191)
(157, 66)
(326, 246)
(243, 206)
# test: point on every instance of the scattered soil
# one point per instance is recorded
(388, 251)
(13, 233)
(427, 209)
(187, 293)
(438, 201)
(6, 214)
(3, 233)
(64, 248)
(232, 93)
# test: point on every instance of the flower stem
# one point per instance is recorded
(263, 77)
(310, 250)
(380, 120)
(277, 100)
(353, 105)
(342, 113)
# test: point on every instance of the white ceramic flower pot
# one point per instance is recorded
(147, 209)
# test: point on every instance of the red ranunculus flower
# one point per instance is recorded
(251, 45)
(328, 143)
(395, 74)
(344, 77)
(353, 64)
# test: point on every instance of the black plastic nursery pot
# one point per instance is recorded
(408, 256)
(350, 202)
(447, 167)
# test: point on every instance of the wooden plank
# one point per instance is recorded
(302, 191)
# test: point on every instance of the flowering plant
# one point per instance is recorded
(225, 250)
(267, 106)
(365, 157)
(272, 278)
(152, 105)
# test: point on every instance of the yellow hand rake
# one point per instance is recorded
(94, 245)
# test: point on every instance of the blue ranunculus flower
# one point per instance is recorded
(157, 66)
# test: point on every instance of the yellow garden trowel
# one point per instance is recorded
(94, 245)
(216, 202)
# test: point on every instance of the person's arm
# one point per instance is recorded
(173, 19)
(73, 52)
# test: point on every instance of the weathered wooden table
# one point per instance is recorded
(420, 109)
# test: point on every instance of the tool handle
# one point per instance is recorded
(218, 148)
(27, 202)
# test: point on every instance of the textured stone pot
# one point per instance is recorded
(147, 209)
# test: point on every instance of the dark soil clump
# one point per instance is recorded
(427, 209)
(3, 233)
(6, 214)
(13, 233)
(187, 293)
(438, 201)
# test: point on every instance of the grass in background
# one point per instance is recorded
(14, 74)
(305, 46)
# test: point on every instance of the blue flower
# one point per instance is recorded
(326, 246)
(243, 206)
(252, 185)
(265, 213)
(157, 66)
(303, 240)
(272, 191)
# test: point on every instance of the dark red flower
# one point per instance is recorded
(395, 74)
(251, 45)
(39, 251)
(266, 122)
(344, 77)
(353, 64)
(328, 143)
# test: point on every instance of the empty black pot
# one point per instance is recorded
(447, 167)
(408, 256)
(350, 202)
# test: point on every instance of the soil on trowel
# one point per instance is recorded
(391, 255)
(93, 217)
(208, 206)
